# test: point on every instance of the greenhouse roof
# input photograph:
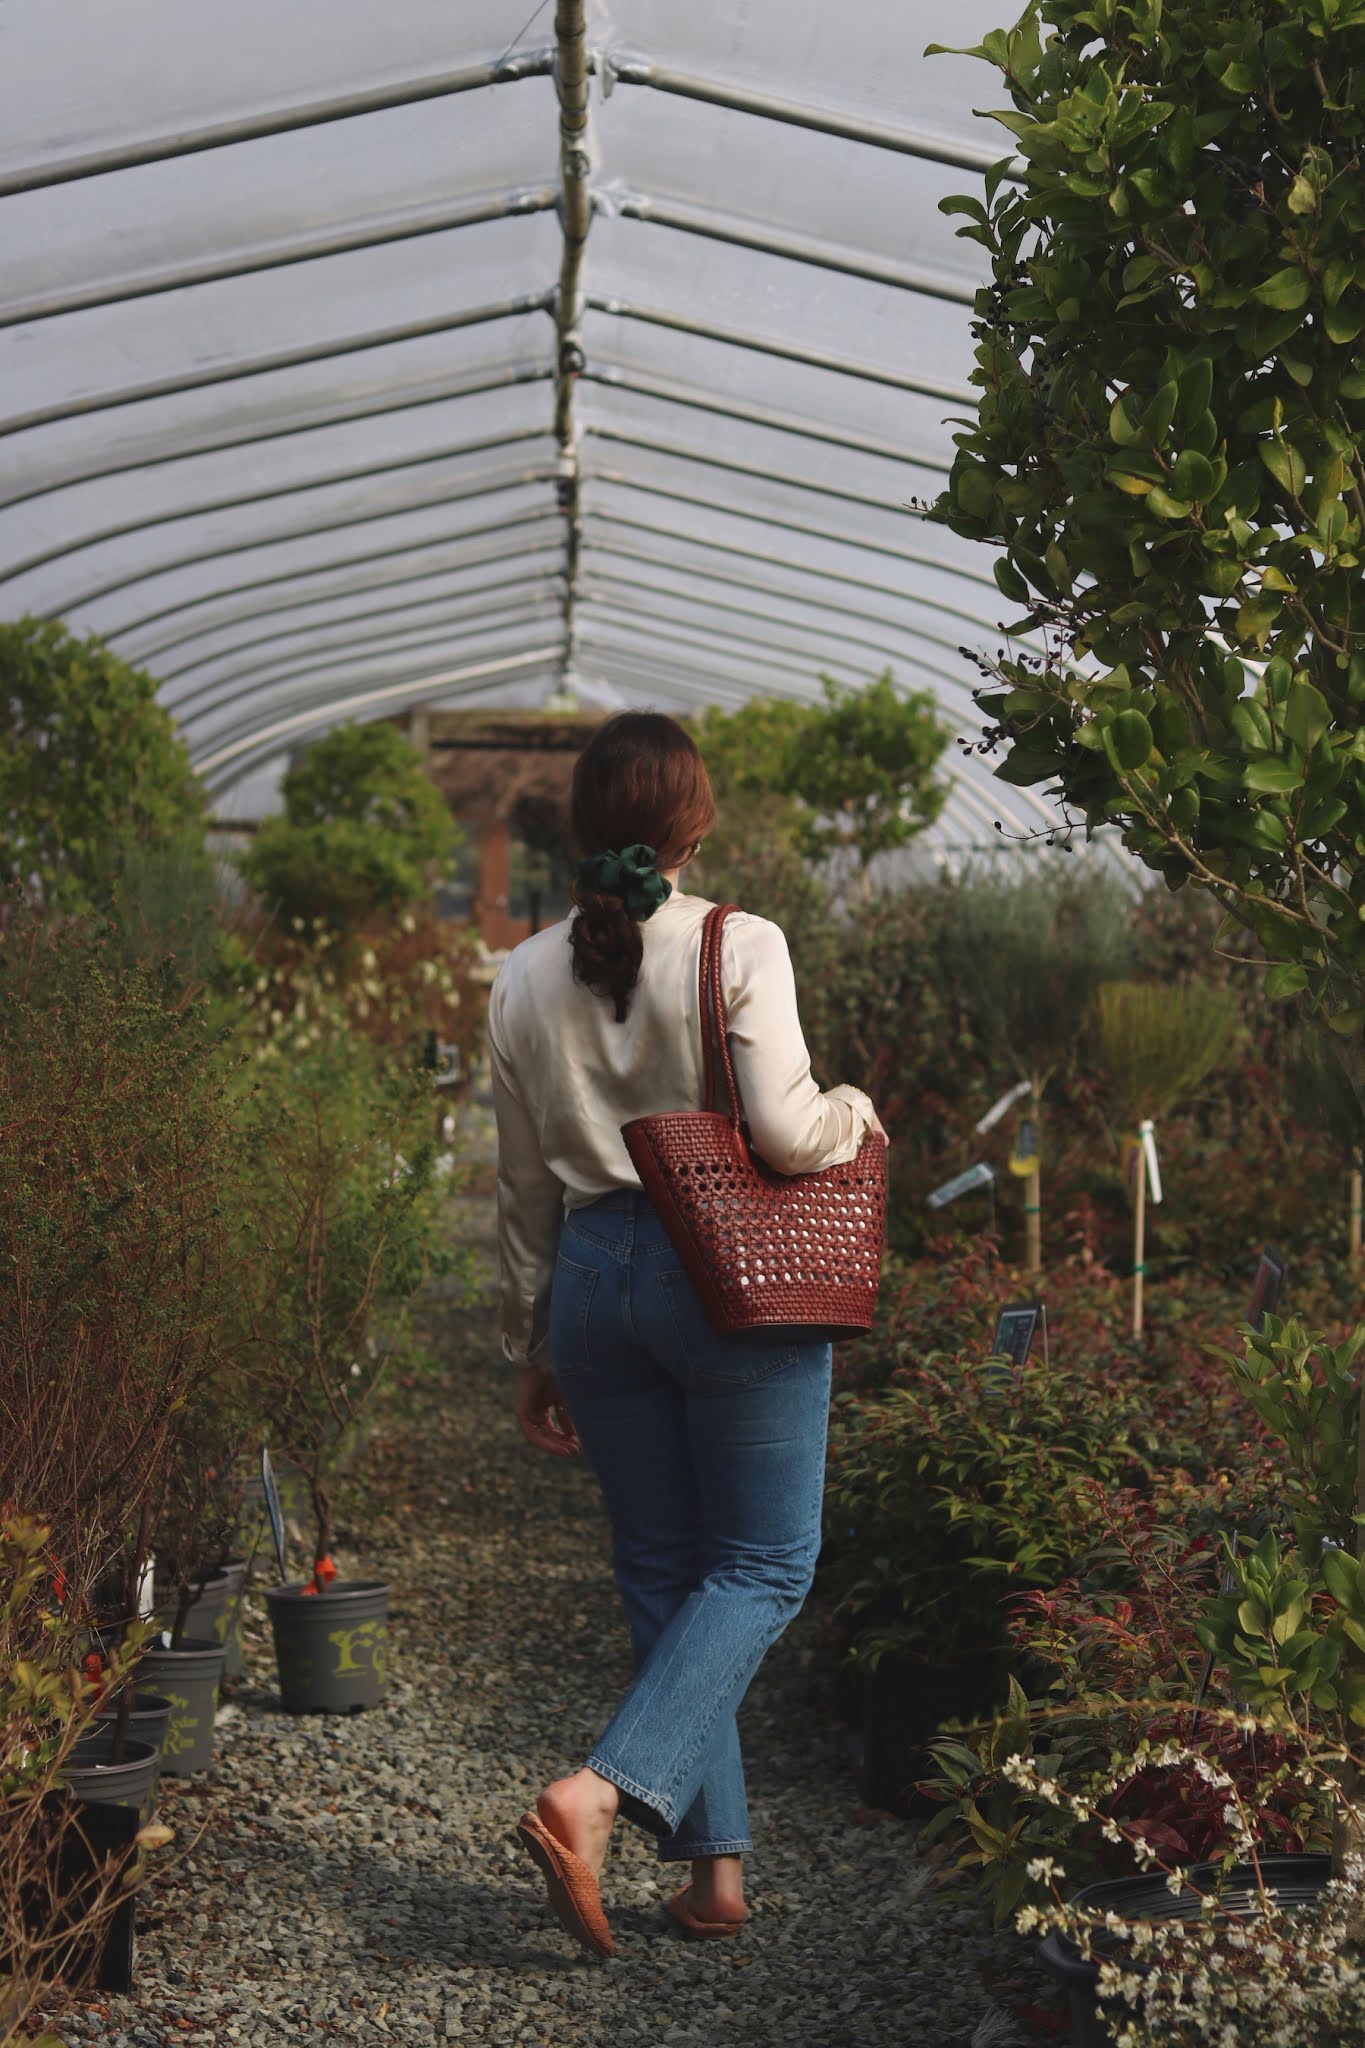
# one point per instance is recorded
(357, 356)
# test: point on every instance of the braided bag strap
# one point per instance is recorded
(711, 1008)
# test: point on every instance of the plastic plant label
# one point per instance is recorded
(1015, 1329)
(978, 1176)
(997, 1109)
(1147, 1133)
(1267, 1286)
(273, 1508)
(1024, 1157)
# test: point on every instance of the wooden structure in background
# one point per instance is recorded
(488, 765)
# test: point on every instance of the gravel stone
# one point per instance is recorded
(359, 1880)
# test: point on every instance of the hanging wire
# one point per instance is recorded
(522, 31)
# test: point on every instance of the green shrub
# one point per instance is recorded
(364, 830)
(94, 778)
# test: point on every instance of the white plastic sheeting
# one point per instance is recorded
(278, 354)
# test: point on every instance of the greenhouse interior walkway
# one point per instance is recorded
(359, 1880)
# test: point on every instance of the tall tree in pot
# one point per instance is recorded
(340, 1174)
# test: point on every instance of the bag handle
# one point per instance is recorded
(711, 1002)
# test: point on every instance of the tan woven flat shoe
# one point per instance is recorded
(570, 1886)
(695, 1929)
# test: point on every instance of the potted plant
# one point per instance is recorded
(115, 1149)
(342, 1195)
(68, 1869)
(949, 1493)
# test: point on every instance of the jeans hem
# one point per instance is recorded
(645, 1808)
(674, 1851)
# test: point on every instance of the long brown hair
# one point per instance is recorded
(640, 780)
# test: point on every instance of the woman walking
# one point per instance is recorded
(709, 1449)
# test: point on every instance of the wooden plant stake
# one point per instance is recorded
(1033, 1199)
(1356, 1188)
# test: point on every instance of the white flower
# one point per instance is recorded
(1042, 1870)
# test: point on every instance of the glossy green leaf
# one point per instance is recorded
(1130, 735)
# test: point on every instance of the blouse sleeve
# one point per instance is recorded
(530, 1212)
(792, 1124)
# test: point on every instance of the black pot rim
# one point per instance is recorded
(192, 1646)
(145, 1704)
(340, 1589)
(130, 1763)
(1062, 1958)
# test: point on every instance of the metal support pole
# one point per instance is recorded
(575, 217)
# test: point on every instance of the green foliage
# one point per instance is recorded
(1307, 1394)
(1026, 949)
(338, 1202)
(1167, 447)
(858, 768)
(93, 775)
(116, 1152)
(364, 830)
(955, 1487)
(1157, 1043)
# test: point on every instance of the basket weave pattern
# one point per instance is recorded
(762, 1248)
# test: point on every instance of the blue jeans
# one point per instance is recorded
(710, 1452)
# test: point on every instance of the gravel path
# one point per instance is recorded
(359, 1879)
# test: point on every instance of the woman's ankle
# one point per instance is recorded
(718, 1888)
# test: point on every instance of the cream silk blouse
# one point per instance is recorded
(566, 1076)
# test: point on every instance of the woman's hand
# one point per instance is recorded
(541, 1412)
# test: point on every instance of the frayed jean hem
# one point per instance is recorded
(645, 1808)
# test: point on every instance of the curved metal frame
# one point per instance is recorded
(505, 379)
(749, 582)
(415, 503)
(208, 508)
(420, 683)
(774, 618)
(253, 263)
(380, 662)
(192, 706)
(289, 577)
(240, 370)
(338, 620)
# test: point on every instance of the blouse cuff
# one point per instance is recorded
(861, 1117)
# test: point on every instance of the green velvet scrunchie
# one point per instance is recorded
(632, 874)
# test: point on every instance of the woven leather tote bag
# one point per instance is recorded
(765, 1251)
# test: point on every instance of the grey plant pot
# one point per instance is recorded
(331, 1648)
(148, 1721)
(206, 1618)
(228, 1625)
(93, 1777)
(189, 1677)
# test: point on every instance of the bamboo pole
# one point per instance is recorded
(1139, 1237)
(1356, 1189)
(1033, 1194)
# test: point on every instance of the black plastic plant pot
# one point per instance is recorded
(189, 1678)
(148, 1720)
(331, 1648)
(905, 1703)
(94, 1777)
(1297, 1880)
